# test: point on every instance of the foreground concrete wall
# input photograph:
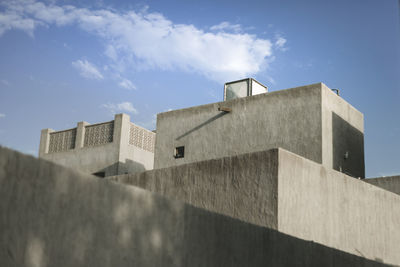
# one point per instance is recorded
(52, 216)
(328, 207)
(243, 186)
(391, 183)
(313, 202)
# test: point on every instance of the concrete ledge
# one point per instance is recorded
(53, 216)
(391, 183)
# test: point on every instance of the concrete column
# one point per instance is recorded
(80, 134)
(44, 141)
(121, 136)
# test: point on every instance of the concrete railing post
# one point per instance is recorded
(44, 141)
(80, 134)
(121, 135)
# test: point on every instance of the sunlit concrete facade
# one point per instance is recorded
(311, 121)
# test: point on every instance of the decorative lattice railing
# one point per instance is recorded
(99, 134)
(141, 138)
(62, 140)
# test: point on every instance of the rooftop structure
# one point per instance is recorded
(104, 149)
(242, 88)
(311, 121)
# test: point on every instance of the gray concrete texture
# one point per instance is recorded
(389, 183)
(244, 186)
(117, 157)
(283, 191)
(310, 121)
(54, 216)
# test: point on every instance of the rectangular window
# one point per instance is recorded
(179, 152)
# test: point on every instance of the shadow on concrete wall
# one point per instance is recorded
(348, 148)
(52, 216)
(224, 241)
(219, 115)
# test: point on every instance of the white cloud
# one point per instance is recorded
(121, 107)
(227, 27)
(127, 84)
(2, 115)
(280, 43)
(145, 40)
(87, 70)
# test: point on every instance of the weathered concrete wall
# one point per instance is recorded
(290, 119)
(391, 183)
(89, 160)
(328, 207)
(310, 121)
(53, 216)
(137, 160)
(243, 186)
(314, 203)
(342, 135)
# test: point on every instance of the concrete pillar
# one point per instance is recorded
(121, 137)
(44, 141)
(80, 134)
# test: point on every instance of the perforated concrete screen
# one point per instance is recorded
(242, 88)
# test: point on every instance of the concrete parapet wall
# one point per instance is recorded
(244, 186)
(313, 202)
(331, 208)
(391, 183)
(53, 216)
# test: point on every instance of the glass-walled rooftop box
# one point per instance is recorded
(242, 88)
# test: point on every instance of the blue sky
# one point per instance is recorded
(67, 61)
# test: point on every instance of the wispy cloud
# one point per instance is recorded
(280, 43)
(127, 84)
(226, 26)
(87, 69)
(150, 124)
(2, 115)
(121, 107)
(149, 40)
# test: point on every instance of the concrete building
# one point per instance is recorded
(260, 179)
(103, 149)
(311, 121)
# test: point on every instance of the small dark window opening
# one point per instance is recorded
(179, 152)
(100, 174)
